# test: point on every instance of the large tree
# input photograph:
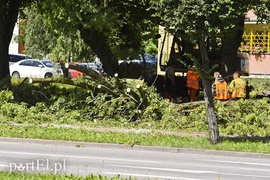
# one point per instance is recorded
(199, 20)
(208, 23)
(43, 41)
(9, 10)
(231, 41)
(101, 23)
(112, 29)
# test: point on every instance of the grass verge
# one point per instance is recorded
(256, 145)
(37, 176)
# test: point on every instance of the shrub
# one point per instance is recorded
(140, 107)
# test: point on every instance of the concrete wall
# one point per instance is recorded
(14, 46)
(259, 64)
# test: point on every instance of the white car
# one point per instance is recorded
(57, 67)
(34, 68)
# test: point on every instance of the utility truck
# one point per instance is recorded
(171, 48)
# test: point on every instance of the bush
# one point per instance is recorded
(141, 107)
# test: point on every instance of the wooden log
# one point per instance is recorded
(134, 95)
(189, 105)
(86, 71)
(107, 90)
(62, 81)
(142, 93)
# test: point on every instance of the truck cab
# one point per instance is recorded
(172, 48)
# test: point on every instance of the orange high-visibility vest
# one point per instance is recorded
(193, 80)
(222, 91)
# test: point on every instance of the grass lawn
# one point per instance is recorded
(134, 137)
(27, 176)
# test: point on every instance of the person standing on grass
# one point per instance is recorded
(237, 86)
(169, 82)
(220, 88)
(193, 84)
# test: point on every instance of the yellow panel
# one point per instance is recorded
(256, 38)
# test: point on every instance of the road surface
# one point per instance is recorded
(78, 158)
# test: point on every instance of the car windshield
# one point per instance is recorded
(48, 64)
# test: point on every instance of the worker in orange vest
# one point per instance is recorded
(220, 88)
(193, 83)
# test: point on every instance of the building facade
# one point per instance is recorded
(256, 42)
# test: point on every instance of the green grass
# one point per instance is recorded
(132, 138)
(33, 176)
(69, 116)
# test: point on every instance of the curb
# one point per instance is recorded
(136, 147)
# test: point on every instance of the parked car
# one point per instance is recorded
(50, 64)
(34, 68)
(13, 58)
(92, 66)
(74, 73)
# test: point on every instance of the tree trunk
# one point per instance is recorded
(99, 45)
(8, 16)
(230, 47)
(211, 116)
(106, 3)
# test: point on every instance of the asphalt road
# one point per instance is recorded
(142, 162)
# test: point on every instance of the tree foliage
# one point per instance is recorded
(41, 40)
(262, 10)
(207, 17)
(198, 21)
(221, 22)
(113, 30)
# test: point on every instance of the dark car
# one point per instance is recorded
(13, 58)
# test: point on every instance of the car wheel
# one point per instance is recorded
(48, 75)
(16, 74)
